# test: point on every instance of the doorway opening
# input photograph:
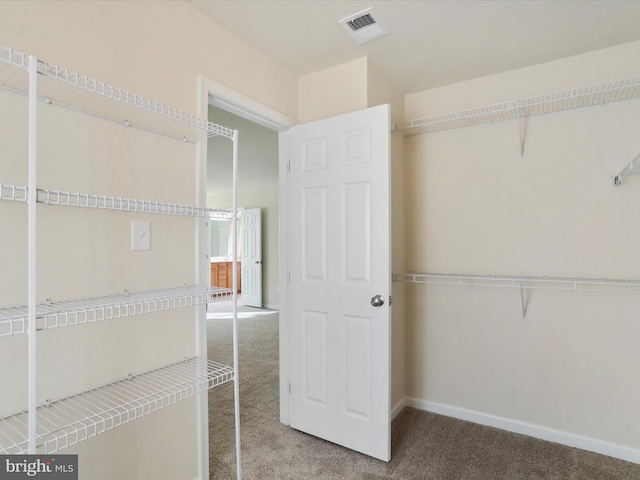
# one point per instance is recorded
(258, 206)
(257, 271)
(218, 103)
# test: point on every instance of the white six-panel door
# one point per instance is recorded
(339, 261)
(252, 257)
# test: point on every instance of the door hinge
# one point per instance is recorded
(289, 388)
(390, 300)
(288, 277)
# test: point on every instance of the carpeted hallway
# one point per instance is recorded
(425, 446)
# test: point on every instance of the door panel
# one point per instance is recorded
(315, 379)
(357, 232)
(339, 258)
(315, 233)
(357, 346)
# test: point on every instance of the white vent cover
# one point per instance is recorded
(365, 26)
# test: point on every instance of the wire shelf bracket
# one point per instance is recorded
(523, 283)
(633, 168)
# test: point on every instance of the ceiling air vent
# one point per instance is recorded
(361, 22)
(365, 26)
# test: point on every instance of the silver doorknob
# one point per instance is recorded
(377, 300)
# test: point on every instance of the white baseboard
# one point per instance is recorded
(524, 428)
(398, 407)
(271, 307)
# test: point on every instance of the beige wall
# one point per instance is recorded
(344, 88)
(155, 49)
(336, 90)
(380, 91)
(471, 207)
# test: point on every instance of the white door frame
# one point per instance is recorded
(213, 93)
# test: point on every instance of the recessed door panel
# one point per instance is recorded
(357, 146)
(314, 220)
(357, 232)
(315, 333)
(315, 154)
(357, 344)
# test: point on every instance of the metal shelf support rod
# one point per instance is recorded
(31, 203)
(234, 234)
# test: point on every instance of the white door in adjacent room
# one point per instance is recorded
(251, 257)
(339, 280)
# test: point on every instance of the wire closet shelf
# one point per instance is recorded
(52, 426)
(106, 202)
(13, 193)
(577, 284)
(523, 282)
(586, 96)
(64, 87)
(70, 312)
(67, 421)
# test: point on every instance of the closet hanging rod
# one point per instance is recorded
(603, 285)
(633, 168)
(585, 96)
(527, 282)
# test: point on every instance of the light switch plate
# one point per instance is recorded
(140, 235)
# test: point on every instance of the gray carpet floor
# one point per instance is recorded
(425, 446)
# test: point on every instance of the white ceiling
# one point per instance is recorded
(433, 42)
